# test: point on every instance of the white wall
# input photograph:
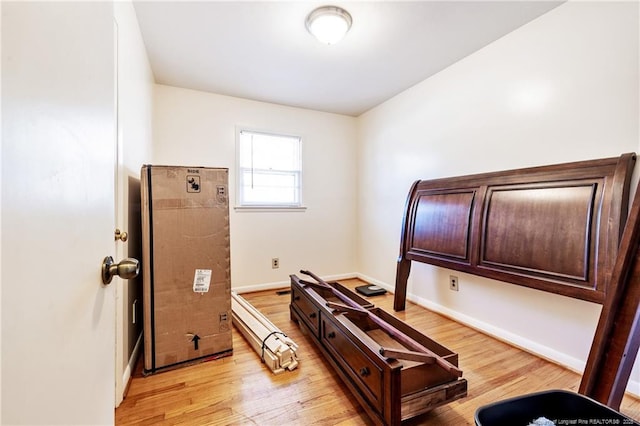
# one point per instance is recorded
(135, 114)
(561, 88)
(194, 128)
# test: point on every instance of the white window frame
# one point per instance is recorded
(241, 204)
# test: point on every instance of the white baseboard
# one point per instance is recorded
(574, 364)
(286, 284)
(126, 376)
(376, 282)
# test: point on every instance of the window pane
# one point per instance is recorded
(269, 152)
(244, 151)
(264, 187)
(269, 169)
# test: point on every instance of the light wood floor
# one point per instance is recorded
(239, 390)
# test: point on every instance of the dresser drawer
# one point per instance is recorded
(391, 390)
(310, 314)
(362, 369)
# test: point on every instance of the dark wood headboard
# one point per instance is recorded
(554, 228)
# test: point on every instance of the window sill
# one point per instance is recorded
(269, 209)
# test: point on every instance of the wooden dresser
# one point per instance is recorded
(390, 390)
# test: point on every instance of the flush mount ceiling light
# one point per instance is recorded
(328, 23)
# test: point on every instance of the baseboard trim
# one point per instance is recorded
(126, 376)
(374, 281)
(285, 284)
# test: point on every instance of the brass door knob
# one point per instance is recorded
(127, 268)
(121, 235)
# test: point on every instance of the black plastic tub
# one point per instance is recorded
(561, 407)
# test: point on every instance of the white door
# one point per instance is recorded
(58, 135)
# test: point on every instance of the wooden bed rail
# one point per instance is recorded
(617, 338)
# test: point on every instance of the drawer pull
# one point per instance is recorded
(296, 298)
(364, 371)
(331, 335)
(312, 315)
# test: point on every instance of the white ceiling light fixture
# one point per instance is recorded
(329, 24)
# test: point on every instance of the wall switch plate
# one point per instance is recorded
(453, 283)
(275, 263)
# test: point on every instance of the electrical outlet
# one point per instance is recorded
(453, 283)
(275, 263)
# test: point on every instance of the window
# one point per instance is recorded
(269, 170)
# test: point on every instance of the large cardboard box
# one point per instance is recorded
(185, 264)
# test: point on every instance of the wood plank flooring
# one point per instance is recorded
(240, 390)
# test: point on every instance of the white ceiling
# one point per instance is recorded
(262, 51)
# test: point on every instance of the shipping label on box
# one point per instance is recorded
(202, 280)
